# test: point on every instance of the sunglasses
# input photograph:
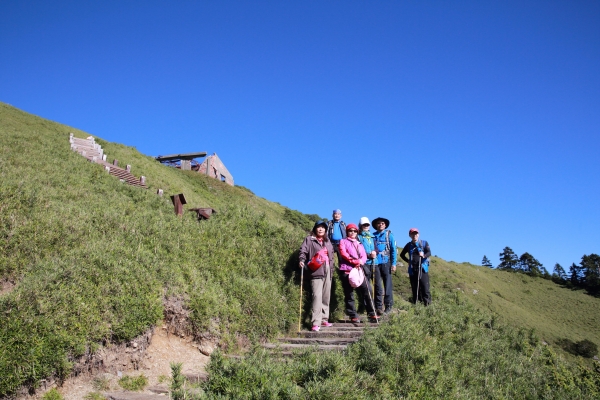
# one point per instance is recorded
(352, 230)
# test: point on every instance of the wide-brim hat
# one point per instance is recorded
(319, 223)
(379, 219)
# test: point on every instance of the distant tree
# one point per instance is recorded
(529, 264)
(508, 259)
(575, 275)
(559, 275)
(590, 268)
(486, 262)
(545, 273)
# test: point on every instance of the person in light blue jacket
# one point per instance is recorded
(385, 264)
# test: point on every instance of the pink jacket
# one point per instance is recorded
(353, 254)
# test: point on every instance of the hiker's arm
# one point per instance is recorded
(345, 254)
(403, 254)
(362, 254)
(303, 252)
(393, 250)
(427, 250)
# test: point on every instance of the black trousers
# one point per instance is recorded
(363, 290)
(384, 294)
(424, 295)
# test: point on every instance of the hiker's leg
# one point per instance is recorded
(378, 287)
(348, 295)
(317, 300)
(364, 290)
(326, 294)
(425, 294)
(386, 274)
(413, 285)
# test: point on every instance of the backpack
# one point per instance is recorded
(385, 252)
(420, 247)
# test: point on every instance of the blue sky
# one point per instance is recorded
(477, 122)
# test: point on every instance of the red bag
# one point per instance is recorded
(318, 260)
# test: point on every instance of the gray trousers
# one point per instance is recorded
(321, 293)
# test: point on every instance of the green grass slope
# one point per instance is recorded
(95, 261)
(449, 350)
(556, 313)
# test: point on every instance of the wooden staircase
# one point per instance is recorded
(91, 150)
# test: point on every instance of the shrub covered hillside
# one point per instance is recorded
(92, 259)
(449, 350)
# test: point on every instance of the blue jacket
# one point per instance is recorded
(385, 246)
(330, 229)
(366, 238)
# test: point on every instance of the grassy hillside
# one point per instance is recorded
(556, 313)
(95, 261)
(449, 350)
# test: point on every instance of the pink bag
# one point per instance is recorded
(356, 277)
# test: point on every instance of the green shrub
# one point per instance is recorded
(52, 394)
(94, 396)
(135, 384)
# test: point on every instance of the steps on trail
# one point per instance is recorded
(91, 150)
(134, 396)
(334, 338)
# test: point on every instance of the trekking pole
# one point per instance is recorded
(371, 300)
(418, 281)
(300, 307)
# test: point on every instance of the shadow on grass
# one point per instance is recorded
(584, 348)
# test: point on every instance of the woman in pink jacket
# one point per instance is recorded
(353, 255)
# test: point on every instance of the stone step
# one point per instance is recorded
(348, 327)
(134, 396)
(295, 346)
(331, 333)
(318, 340)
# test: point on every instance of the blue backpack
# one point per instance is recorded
(419, 247)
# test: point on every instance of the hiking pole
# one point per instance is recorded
(418, 280)
(300, 308)
(371, 299)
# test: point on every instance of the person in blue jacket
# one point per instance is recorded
(336, 231)
(385, 264)
(418, 266)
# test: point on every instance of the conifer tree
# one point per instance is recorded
(486, 262)
(590, 268)
(529, 264)
(508, 259)
(559, 275)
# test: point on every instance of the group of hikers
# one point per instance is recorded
(361, 255)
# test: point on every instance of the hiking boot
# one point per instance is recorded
(355, 320)
(379, 311)
(326, 323)
(315, 328)
(374, 318)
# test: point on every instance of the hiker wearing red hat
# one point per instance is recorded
(418, 266)
(352, 258)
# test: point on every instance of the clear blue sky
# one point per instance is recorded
(477, 122)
